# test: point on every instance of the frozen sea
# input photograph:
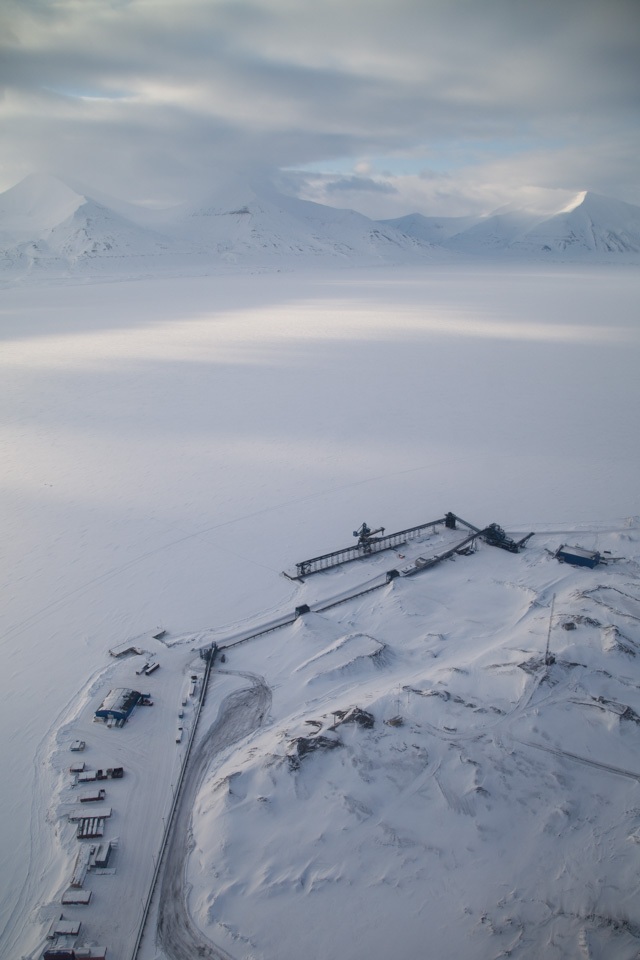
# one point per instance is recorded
(169, 446)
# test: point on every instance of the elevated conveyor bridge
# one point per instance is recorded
(366, 545)
(369, 543)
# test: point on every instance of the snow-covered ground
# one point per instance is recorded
(499, 817)
(170, 446)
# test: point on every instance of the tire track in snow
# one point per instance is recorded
(598, 765)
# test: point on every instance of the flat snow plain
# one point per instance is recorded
(170, 446)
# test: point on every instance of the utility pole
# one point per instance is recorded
(548, 658)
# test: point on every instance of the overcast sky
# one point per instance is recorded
(384, 106)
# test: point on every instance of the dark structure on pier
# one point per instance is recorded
(369, 542)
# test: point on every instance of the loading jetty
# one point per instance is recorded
(371, 541)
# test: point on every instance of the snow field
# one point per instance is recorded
(170, 446)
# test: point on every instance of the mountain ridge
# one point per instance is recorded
(592, 223)
(47, 227)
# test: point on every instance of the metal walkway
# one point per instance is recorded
(374, 545)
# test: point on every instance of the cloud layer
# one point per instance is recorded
(443, 106)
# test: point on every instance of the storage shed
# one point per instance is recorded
(118, 704)
(90, 953)
(63, 928)
(78, 898)
(100, 857)
(578, 556)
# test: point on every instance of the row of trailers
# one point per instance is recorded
(75, 953)
(90, 816)
(371, 541)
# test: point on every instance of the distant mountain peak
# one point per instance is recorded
(587, 225)
(39, 185)
(35, 205)
(577, 201)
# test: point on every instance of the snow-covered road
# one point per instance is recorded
(240, 713)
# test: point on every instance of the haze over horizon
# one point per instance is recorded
(442, 108)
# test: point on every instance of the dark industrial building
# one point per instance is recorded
(578, 556)
(118, 705)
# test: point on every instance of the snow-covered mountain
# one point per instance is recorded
(47, 228)
(244, 224)
(590, 226)
(34, 207)
(436, 230)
